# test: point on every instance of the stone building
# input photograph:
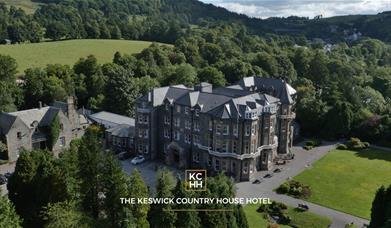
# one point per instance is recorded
(29, 129)
(237, 129)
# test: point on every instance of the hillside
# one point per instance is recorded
(27, 5)
(164, 20)
(68, 52)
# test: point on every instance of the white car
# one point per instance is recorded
(137, 160)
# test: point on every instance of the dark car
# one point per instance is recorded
(3, 179)
(303, 207)
(257, 181)
(278, 170)
(7, 175)
(268, 175)
(124, 155)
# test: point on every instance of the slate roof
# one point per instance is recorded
(122, 130)
(157, 95)
(112, 118)
(275, 87)
(6, 122)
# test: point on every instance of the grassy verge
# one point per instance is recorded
(347, 180)
(299, 219)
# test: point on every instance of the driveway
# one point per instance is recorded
(303, 160)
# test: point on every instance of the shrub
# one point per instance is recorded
(342, 146)
(295, 189)
(306, 147)
(356, 144)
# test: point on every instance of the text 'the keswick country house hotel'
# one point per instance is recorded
(236, 129)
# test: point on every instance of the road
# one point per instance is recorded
(303, 160)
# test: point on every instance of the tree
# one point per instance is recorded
(66, 214)
(121, 88)
(138, 189)
(381, 208)
(212, 75)
(90, 156)
(56, 31)
(115, 185)
(187, 219)
(8, 87)
(8, 216)
(161, 215)
(36, 182)
(318, 71)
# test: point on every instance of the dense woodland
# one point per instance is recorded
(84, 186)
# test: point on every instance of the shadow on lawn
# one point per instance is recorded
(372, 154)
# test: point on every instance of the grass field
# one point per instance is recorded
(347, 180)
(299, 219)
(28, 6)
(68, 52)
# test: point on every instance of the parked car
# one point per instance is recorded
(278, 170)
(268, 175)
(3, 179)
(257, 181)
(7, 175)
(280, 162)
(137, 160)
(303, 207)
(123, 155)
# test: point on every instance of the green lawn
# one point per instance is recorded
(299, 219)
(69, 51)
(347, 180)
(27, 5)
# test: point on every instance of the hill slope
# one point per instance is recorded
(68, 52)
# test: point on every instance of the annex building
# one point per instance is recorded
(237, 129)
(30, 129)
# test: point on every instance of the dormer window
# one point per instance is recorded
(167, 107)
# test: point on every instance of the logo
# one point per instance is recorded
(195, 180)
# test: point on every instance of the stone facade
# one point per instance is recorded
(237, 129)
(28, 129)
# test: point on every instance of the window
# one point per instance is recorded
(233, 166)
(62, 141)
(251, 168)
(197, 112)
(209, 161)
(235, 129)
(245, 167)
(167, 106)
(142, 149)
(224, 165)
(225, 129)
(210, 125)
(146, 118)
(225, 146)
(177, 122)
(140, 119)
(267, 123)
(166, 133)
(246, 147)
(61, 127)
(187, 124)
(217, 165)
(167, 119)
(143, 133)
(218, 129)
(248, 130)
(19, 135)
(196, 126)
(145, 149)
(253, 146)
(178, 108)
(187, 110)
(196, 139)
(235, 146)
(177, 135)
(187, 138)
(196, 157)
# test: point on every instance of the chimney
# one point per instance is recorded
(204, 87)
(39, 104)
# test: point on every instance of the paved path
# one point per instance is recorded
(303, 160)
